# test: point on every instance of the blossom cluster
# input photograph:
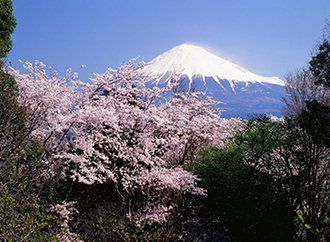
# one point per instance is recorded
(115, 129)
(65, 212)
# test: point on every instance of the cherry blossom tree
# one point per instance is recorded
(116, 130)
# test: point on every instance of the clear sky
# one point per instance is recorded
(267, 37)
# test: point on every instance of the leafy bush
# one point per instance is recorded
(271, 182)
(243, 201)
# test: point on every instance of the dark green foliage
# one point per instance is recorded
(103, 216)
(258, 117)
(320, 64)
(18, 153)
(316, 118)
(300, 163)
(269, 173)
(7, 26)
(316, 121)
(23, 211)
(12, 116)
(246, 203)
(23, 220)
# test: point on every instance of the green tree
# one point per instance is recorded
(23, 214)
(318, 113)
(248, 202)
(270, 174)
(308, 95)
(320, 64)
(7, 26)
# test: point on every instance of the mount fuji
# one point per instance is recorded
(242, 92)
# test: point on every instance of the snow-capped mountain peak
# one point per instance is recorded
(199, 70)
(192, 62)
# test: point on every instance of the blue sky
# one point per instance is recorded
(267, 37)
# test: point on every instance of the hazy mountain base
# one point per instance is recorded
(243, 100)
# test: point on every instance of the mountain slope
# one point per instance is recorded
(242, 91)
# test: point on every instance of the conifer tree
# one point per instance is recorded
(7, 26)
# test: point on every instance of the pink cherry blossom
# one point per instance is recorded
(115, 129)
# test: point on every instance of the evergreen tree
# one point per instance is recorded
(7, 26)
(316, 118)
(320, 64)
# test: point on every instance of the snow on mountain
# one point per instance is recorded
(195, 62)
(243, 91)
